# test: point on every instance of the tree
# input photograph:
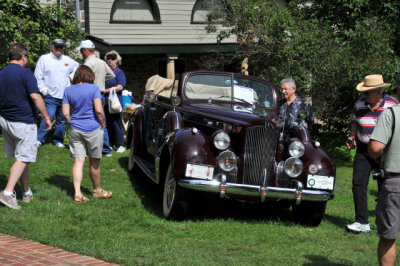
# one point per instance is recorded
(292, 40)
(36, 26)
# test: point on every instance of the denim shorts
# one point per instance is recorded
(20, 140)
(388, 209)
(83, 144)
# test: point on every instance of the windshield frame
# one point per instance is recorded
(229, 85)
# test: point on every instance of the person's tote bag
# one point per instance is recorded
(114, 106)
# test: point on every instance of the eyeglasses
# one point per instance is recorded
(370, 92)
(25, 55)
(58, 47)
(111, 57)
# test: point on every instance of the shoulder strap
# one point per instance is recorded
(390, 140)
(393, 126)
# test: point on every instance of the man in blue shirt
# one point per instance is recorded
(291, 106)
(19, 98)
(53, 71)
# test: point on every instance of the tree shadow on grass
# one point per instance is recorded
(319, 260)
(64, 183)
(148, 192)
(3, 181)
(207, 205)
(3, 184)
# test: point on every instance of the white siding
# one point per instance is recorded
(46, 2)
(175, 27)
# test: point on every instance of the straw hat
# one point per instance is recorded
(372, 82)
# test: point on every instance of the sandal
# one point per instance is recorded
(102, 194)
(80, 199)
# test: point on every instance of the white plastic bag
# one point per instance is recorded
(114, 106)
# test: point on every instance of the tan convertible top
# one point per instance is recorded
(157, 84)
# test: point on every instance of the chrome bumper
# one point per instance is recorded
(232, 189)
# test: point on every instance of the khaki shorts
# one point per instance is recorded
(20, 140)
(83, 144)
(388, 209)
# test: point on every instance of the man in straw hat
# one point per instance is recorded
(367, 110)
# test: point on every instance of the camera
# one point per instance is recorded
(378, 174)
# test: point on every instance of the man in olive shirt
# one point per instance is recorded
(385, 146)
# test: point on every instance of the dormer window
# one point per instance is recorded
(201, 9)
(135, 11)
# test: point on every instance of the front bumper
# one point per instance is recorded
(231, 189)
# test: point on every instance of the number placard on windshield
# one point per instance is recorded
(244, 93)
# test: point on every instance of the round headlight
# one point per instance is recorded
(293, 167)
(227, 160)
(296, 149)
(222, 140)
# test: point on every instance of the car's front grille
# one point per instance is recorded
(231, 177)
(259, 154)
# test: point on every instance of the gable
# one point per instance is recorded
(146, 22)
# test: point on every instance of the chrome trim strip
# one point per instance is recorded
(296, 194)
(144, 168)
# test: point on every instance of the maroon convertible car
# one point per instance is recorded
(216, 132)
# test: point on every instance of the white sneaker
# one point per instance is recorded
(27, 197)
(39, 143)
(121, 149)
(59, 145)
(108, 155)
(358, 228)
(10, 201)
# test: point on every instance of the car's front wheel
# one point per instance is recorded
(175, 202)
(309, 212)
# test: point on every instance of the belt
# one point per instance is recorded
(395, 175)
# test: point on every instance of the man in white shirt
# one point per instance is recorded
(102, 73)
(53, 72)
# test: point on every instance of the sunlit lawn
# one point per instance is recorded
(129, 228)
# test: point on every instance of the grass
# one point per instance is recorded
(129, 228)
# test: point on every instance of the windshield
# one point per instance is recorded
(243, 90)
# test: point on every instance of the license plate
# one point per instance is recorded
(320, 182)
(199, 171)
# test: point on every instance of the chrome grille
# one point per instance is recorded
(259, 154)
(231, 176)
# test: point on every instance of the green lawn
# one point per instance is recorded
(129, 228)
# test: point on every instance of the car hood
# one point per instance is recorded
(236, 114)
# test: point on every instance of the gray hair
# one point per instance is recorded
(119, 59)
(291, 82)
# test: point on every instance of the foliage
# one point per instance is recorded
(129, 229)
(282, 41)
(346, 16)
(36, 26)
(335, 146)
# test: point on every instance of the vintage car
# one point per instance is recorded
(218, 132)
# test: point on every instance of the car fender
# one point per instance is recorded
(187, 145)
(319, 160)
(171, 123)
(135, 128)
